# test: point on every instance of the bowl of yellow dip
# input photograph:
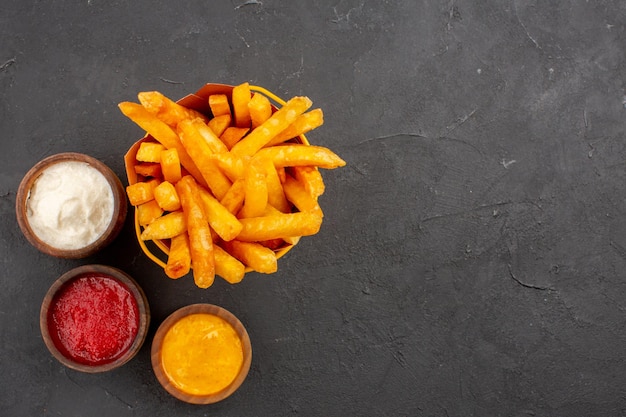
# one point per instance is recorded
(201, 354)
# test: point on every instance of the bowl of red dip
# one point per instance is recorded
(94, 318)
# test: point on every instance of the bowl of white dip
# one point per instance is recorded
(70, 205)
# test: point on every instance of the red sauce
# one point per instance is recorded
(93, 319)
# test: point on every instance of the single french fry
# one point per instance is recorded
(200, 241)
(219, 105)
(303, 124)
(254, 255)
(222, 221)
(300, 197)
(233, 199)
(232, 135)
(204, 132)
(282, 174)
(220, 123)
(260, 109)
(275, 193)
(149, 152)
(257, 229)
(179, 257)
(311, 178)
(165, 227)
(166, 196)
(200, 152)
(161, 132)
(227, 266)
(278, 122)
(148, 212)
(299, 155)
(240, 98)
(149, 170)
(170, 165)
(255, 188)
(165, 109)
(232, 165)
(290, 240)
(141, 192)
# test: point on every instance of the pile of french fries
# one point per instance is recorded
(226, 190)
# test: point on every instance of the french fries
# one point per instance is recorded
(166, 196)
(241, 98)
(165, 227)
(165, 109)
(200, 240)
(278, 122)
(228, 191)
(179, 258)
(260, 110)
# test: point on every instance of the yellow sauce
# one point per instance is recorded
(201, 354)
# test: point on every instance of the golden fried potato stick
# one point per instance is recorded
(148, 169)
(206, 133)
(170, 165)
(219, 105)
(160, 131)
(232, 165)
(255, 188)
(233, 200)
(141, 192)
(300, 197)
(165, 109)
(240, 98)
(282, 173)
(165, 227)
(222, 221)
(232, 135)
(302, 155)
(254, 255)
(278, 122)
(291, 240)
(303, 124)
(200, 241)
(275, 193)
(149, 152)
(200, 151)
(311, 178)
(220, 123)
(227, 266)
(260, 109)
(179, 257)
(148, 212)
(166, 196)
(257, 229)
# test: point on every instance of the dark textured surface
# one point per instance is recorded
(473, 255)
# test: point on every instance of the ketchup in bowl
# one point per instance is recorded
(94, 319)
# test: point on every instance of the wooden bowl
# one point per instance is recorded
(50, 317)
(157, 357)
(115, 225)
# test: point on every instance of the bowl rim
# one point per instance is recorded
(200, 308)
(120, 206)
(110, 272)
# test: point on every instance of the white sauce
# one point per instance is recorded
(70, 205)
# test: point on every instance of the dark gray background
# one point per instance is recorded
(472, 258)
